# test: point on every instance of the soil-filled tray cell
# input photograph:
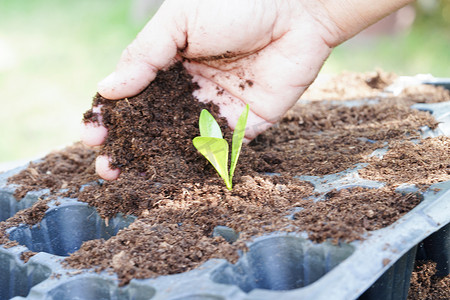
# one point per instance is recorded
(441, 112)
(282, 263)
(65, 227)
(10, 206)
(436, 247)
(17, 278)
(9, 203)
(394, 283)
(444, 82)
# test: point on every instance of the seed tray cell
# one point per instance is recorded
(394, 283)
(65, 227)
(10, 206)
(17, 278)
(282, 262)
(277, 266)
(286, 266)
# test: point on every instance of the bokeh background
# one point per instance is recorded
(53, 53)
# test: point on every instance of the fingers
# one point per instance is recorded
(154, 48)
(104, 170)
(94, 134)
(270, 81)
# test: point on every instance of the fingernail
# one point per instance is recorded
(107, 82)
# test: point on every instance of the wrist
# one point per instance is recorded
(345, 18)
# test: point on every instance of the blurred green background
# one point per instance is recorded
(53, 53)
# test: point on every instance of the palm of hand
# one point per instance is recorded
(264, 53)
(268, 67)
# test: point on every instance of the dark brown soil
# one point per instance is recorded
(62, 172)
(29, 216)
(348, 85)
(371, 209)
(26, 255)
(68, 169)
(179, 199)
(412, 163)
(425, 285)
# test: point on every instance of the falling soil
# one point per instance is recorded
(179, 199)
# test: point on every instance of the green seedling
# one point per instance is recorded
(214, 147)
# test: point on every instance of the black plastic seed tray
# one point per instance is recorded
(277, 266)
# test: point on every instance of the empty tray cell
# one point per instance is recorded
(17, 278)
(282, 263)
(64, 228)
(96, 288)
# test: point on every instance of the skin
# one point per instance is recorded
(263, 53)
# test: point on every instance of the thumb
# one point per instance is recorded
(154, 48)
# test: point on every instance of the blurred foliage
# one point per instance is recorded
(435, 12)
(422, 48)
(52, 54)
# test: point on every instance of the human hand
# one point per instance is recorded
(262, 53)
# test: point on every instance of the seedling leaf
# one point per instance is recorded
(214, 147)
(208, 125)
(216, 152)
(238, 136)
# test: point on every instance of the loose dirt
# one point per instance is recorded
(179, 199)
(425, 285)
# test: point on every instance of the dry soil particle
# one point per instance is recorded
(426, 93)
(179, 199)
(176, 234)
(180, 234)
(422, 163)
(30, 216)
(323, 138)
(349, 85)
(26, 255)
(68, 169)
(371, 209)
(425, 285)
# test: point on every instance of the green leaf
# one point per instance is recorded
(238, 137)
(208, 125)
(216, 152)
